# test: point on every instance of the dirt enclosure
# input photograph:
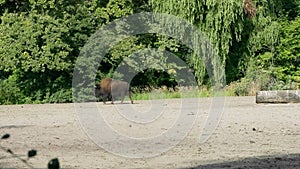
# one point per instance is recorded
(249, 135)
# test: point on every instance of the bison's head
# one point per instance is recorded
(97, 90)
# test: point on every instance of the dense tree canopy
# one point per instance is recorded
(256, 41)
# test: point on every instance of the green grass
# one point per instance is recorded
(184, 93)
(156, 95)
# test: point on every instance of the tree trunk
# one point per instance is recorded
(278, 96)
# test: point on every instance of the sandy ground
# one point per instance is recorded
(249, 135)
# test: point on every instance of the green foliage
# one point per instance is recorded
(256, 79)
(257, 42)
(156, 95)
(219, 20)
(287, 62)
(33, 43)
(39, 47)
(146, 62)
(163, 93)
(10, 92)
(260, 35)
(259, 61)
(259, 78)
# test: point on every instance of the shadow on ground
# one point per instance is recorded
(291, 161)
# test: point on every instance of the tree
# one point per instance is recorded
(39, 47)
(222, 21)
(287, 62)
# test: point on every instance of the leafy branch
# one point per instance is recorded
(53, 164)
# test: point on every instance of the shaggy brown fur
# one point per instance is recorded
(113, 88)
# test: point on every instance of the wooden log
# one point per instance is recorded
(278, 96)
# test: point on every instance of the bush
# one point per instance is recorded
(10, 93)
(61, 96)
(258, 78)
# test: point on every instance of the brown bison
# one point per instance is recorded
(110, 88)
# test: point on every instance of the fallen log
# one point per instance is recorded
(278, 96)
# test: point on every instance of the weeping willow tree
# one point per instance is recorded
(220, 20)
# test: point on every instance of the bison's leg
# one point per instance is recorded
(122, 97)
(129, 94)
(105, 97)
(112, 99)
